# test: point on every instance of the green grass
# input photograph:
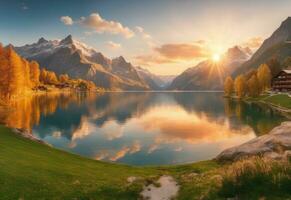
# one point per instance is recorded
(256, 178)
(30, 170)
(281, 100)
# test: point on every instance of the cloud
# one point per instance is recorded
(254, 42)
(183, 51)
(141, 31)
(152, 59)
(113, 45)
(175, 52)
(100, 25)
(135, 147)
(67, 20)
(85, 129)
(114, 156)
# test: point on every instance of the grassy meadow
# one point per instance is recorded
(29, 170)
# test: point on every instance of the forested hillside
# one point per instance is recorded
(20, 76)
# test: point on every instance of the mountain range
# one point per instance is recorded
(210, 75)
(277, 46)
(78, 60)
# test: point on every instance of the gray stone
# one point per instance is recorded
(272, 145)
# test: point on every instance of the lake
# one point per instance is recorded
(142, 128)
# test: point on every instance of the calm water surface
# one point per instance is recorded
(142, 128)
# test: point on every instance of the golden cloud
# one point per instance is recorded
(193, 129)
(100, 25)
(183, 51)
(135, 147)
(173, 53)
(113, 45)
(254, 42)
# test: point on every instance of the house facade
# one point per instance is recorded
(282, 81)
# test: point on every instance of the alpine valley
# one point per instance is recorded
(78, 60)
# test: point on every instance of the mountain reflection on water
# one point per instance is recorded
(141, 128)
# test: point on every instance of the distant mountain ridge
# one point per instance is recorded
(78, 60)
(278, 46)
(209, 75)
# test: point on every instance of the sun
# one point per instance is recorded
(216, 57)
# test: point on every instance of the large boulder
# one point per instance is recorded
(275, 144)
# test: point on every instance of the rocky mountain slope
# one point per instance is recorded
(278, 46)
(209, 75)
(155, 82)
(69, 56)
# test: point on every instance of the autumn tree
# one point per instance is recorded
(240, 86)
(253, 86)
(51, 78)
(64, 78)
(4, 67)
(26, 74)
(34, 73)
(228, 86)
(264, 77)
(16, 80)
(43, 76)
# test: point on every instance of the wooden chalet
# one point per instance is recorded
(282, 81)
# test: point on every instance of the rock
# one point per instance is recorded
(273, 156)
(131, 179)
(26, 134)
(272, 145)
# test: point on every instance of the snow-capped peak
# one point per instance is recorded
(44, 46)
(85, 49)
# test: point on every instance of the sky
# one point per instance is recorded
(164, 36)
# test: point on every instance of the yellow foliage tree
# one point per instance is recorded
(228, 86)
(264, 77)
(240, 86)
(253, 86)
(51, 78)
(43, 75)
(64, 78)
(34, 73)
(4, 67)
(16, 80)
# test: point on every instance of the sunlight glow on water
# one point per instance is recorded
(143, 128)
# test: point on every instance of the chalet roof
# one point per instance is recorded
(288, 71)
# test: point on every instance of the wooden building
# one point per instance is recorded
(282, 81)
